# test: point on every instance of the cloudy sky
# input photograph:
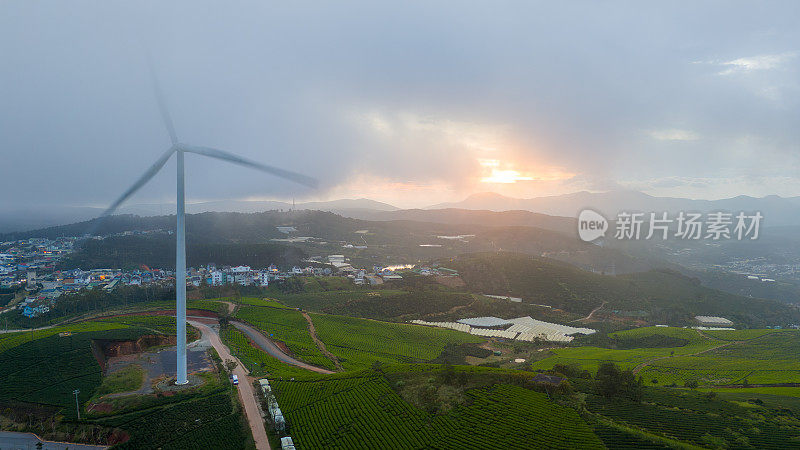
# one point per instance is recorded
(410, 103)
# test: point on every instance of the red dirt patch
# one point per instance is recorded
(452, 282)
(284, 348)
(102, 407)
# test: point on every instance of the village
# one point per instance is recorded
(31, 266)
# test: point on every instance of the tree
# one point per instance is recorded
(230, 365)
(612, 382)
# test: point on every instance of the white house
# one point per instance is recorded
(262, 278)
(243, 279)
(217, 278)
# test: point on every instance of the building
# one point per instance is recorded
(216, 278)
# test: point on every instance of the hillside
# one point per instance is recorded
(379, 242)
(660, 295)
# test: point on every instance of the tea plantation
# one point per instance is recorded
(364, 412)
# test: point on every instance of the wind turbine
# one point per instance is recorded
(179, 149)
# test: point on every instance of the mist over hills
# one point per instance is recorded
(551, 212)
(31, 218)
(777, 211)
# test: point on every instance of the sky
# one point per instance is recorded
(412, 103)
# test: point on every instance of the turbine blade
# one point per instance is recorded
(219, 154)
(162, 104)
(150, 173)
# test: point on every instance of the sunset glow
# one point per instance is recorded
(505, 176)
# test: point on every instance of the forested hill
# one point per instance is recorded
(395, 241)
(660, 295)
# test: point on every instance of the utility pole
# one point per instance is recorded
(77, 408)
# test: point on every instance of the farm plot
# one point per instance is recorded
(364, 412)
(46, 370)
(253, 301)
(288, 326)
(160, 324)
(694, 418)
(257, 361)
(209, 421)
(705, 359)
(11, 340)
(358, 343)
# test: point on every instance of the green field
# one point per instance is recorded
(257, 361)
(694, 418)
(358, 343)
(203, 421)
(709, 358)
(158, 324)
(364, 412)
(127, 379)
(40, 369)
(288, 326)
(44, 367)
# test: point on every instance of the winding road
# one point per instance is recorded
(270, 347)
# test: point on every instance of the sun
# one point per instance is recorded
(505, 177)
(501, 176)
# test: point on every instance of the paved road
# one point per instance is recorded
(28, 329)
(268, 346)
(14, 440)
(246, 393)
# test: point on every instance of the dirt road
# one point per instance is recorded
(268, 346)
(589, 317)
(246, 393)
(321, 345)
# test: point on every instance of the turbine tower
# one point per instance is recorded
(179, 149)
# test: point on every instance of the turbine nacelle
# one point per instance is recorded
(212, 153)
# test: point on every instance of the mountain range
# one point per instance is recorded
(550, 211)
(31, 218)
(777, 211)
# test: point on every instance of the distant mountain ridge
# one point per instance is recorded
(777, 211)
(25, 219)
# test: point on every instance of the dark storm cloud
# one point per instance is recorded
(623, 92)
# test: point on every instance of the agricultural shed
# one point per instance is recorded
(485, 322)
(713, 321)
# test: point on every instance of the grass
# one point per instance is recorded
(739, 335)
(126, 379)
(716, 358)
(288, 326)
(358, 343)
(772, 390)
(257, 361)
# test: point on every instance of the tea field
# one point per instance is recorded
(358, 343)
(364, 412)
(709, 358)
(288, 326)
